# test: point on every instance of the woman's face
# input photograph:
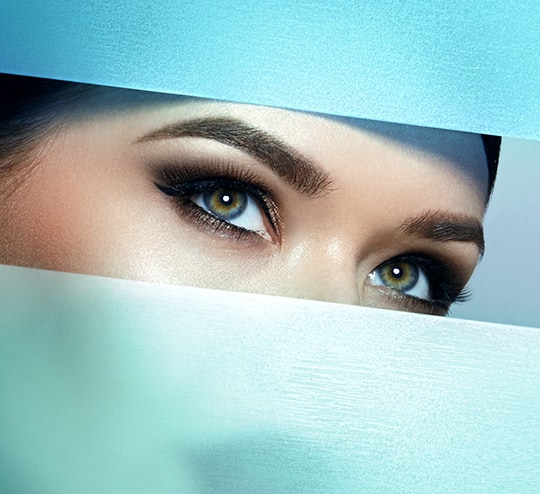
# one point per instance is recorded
(248, 198)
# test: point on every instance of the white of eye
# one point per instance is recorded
(420, 289)
(248, 217)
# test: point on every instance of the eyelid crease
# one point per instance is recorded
(287, 163)
(442, 226)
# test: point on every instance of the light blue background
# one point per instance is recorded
(459, 65)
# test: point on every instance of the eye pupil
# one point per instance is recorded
(226, 199)
(397, 272)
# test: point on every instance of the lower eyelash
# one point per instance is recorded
(430, 307)
(445, 287)
(213, 223)
(186, 181)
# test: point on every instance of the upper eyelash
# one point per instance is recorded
(187, 180)
(179, 173)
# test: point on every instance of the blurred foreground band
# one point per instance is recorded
(119, 386)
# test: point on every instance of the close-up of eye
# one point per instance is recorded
(422, 281)
(227, 205)
(234, 206)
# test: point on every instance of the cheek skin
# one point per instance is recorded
(52, 232)
(64, 215)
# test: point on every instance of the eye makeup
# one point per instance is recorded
(445, 286)
(188, 182)
(207, 191)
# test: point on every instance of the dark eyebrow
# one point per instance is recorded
(284, 161)
(446, 227)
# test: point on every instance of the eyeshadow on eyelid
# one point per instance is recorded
(284, 161)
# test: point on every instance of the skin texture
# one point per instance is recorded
(89, 202)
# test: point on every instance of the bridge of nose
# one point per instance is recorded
(324, 269)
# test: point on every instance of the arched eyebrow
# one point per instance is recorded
(446, 227)
(285, 162)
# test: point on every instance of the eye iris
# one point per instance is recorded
(399, 275)
(225, 203)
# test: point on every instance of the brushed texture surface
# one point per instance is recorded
(471, 66)
(118, 386)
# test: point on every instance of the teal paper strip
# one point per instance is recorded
(472, 66)
(117, 386)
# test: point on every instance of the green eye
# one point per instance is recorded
(403, 276)
(234, 206)
(225, 203)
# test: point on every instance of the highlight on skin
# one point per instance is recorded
(238, 197)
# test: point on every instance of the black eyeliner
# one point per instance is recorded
(183, 181)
